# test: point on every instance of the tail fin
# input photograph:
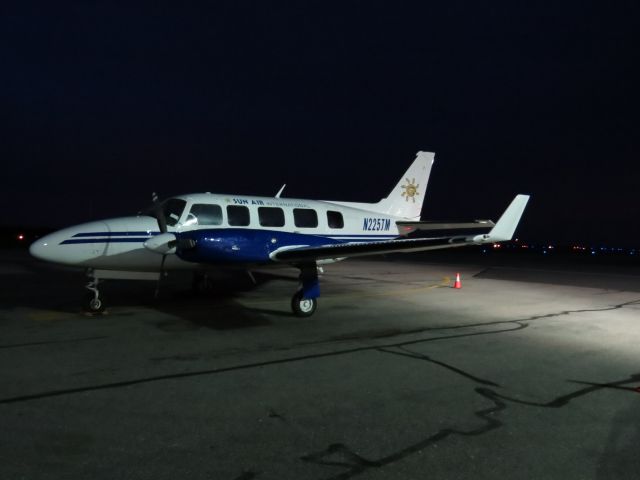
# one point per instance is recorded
(406, 198)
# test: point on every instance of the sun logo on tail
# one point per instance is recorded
(410, 190)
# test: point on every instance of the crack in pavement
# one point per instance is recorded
(583, 310)
(213, 371)
(408, 353)
(339, 454)
(481, 324)
(563, 400)
(51, 342)
(126, 383)
(357, 464)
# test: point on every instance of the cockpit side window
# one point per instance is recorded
(173, 209)
(205, 214)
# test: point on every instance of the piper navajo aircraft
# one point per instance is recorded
(203, 231)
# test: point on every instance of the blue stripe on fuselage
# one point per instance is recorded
(115, 234)
(105, 240)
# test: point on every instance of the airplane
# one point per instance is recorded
(202, 231)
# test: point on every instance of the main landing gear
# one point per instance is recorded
(94, 302)
(304, 301)
(303, 307)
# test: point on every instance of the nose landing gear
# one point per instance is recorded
(94, 302)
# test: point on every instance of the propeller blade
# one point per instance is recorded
(157, 294)
(159, 213)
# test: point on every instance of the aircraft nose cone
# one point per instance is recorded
(44, 248)
(66, 246)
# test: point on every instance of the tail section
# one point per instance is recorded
(406, 198)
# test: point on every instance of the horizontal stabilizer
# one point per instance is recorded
(406, 228)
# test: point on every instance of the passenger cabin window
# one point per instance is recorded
(173, 209)
(205, 214)
(305, 218)
(271, 216)
(237, 215)
(334, 219)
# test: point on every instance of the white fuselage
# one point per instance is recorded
(118, 243)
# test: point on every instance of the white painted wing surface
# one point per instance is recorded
(502, 231)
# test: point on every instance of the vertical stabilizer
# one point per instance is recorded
(406, 198)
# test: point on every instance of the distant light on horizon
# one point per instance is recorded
(552, 248)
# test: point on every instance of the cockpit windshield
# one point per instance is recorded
(173, 209)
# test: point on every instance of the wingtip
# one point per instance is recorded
(506, 226)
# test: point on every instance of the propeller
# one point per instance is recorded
(165, 243)
(158, 212)
(160, 243)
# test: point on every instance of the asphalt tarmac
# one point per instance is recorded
(531, 370)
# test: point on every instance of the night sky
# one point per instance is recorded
(103, 103)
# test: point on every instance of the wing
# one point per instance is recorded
(502, 231)
(359, 249)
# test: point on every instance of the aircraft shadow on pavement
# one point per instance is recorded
(217, 307)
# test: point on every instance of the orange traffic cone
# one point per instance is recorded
(457, 283)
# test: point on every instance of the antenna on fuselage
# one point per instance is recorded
(280, 191)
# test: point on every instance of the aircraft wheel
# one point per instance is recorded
(303, 307)
(93, 304)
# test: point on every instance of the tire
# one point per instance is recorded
(303, 307)
(93, 304)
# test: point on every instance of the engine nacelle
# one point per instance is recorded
(237, 245)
